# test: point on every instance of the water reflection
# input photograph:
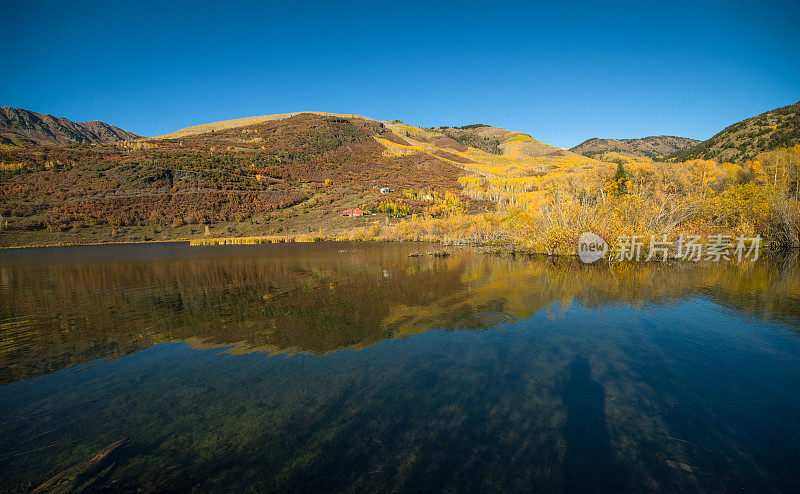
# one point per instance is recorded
(65, 307)
(467, 372)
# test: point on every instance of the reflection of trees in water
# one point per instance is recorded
(311, 302)
(317, 299)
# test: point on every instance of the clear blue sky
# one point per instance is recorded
(562, 72)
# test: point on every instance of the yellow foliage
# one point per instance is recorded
(548, 211)
(12, 167)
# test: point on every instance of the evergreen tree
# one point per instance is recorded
(621, 179)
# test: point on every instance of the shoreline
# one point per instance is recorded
(94, 244)
(768, 247)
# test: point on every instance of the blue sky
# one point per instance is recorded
(562, 72)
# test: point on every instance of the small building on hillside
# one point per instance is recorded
(353, 212)
(386, 190)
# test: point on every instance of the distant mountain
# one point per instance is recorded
(19, 128)
(744, 140)
(651, 147)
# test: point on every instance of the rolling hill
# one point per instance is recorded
(246, 121)
(650, 147)
(20, 128)
(276, 174)
(779, 128)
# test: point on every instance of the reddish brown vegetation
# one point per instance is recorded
(227, 175)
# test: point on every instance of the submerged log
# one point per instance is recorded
(84, 474)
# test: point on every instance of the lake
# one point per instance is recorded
(355, 367)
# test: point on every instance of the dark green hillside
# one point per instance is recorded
(743, 140)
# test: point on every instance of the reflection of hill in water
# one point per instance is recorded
(105, 303)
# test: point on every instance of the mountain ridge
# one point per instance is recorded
(650, 146)
(20, 127)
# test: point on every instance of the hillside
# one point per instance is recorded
(294, 176)
(19, 128)
(742, 141)
(246, 121)
(650, 147)
(282, 174)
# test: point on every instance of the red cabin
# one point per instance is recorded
(353, 212)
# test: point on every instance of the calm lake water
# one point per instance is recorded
(354, 367)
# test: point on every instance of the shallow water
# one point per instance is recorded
(354, 367)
